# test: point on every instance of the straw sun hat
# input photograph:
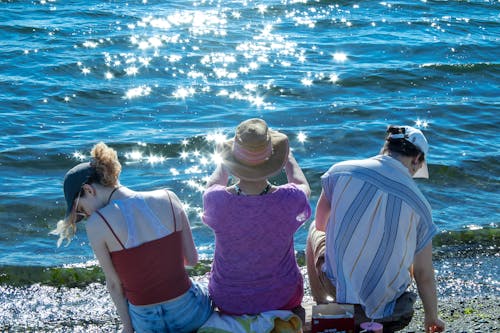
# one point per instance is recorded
(255, 152)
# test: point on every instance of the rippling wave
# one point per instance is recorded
(162, 81)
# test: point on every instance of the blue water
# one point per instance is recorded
(162, 81)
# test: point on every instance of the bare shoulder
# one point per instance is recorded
(170, 195)
(94, 227)
(97, 222)
(160, 194)
(159, 199)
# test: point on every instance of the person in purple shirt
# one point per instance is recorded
(254, 268)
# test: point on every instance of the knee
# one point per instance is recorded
(311, 235)
(309, 241)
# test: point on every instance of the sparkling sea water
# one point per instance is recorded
(163, 81)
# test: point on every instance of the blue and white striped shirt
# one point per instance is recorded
(379, 220)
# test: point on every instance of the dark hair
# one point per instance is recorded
(400, 145)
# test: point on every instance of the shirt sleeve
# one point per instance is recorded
(328, 181)
(304, 211)
(209, 205)
(426, 230)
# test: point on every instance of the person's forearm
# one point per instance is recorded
(220, 176)
(426, 284)
(295, 175)
(427, 290)
(121, 306)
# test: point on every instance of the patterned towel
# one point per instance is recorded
(277, 321)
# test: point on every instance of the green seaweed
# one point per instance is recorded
(466, 243)
(469, 311)
(485, 237)
(201, 268)
(18, 276)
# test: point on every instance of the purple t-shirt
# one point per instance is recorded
(254, 267)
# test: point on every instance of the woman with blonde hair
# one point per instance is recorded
(142, 241)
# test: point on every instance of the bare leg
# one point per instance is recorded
(321, 288)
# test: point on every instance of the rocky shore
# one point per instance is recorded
(48, 309)
(473, 314)
(462, 315)
(468, 296)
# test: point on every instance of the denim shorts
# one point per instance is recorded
(184, 314)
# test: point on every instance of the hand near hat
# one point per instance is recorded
(220, 176)
(295, 175)
(256, 153)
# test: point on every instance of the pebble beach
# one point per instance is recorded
(90, 309)
(467, 314)
(471, 314)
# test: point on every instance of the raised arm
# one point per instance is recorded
(426, 284)
(220, 176)
(113, 283)
(295, 175)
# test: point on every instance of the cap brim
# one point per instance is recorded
(423, 172)
(73, 182)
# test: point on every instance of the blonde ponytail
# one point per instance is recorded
(108, 167)
(65, 229)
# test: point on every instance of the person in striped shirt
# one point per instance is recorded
(372, 226)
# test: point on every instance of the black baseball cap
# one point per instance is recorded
(74, 179)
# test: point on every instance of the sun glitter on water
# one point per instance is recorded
(340, 57)
(79, 156)
(301, 137)
(421, 123)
